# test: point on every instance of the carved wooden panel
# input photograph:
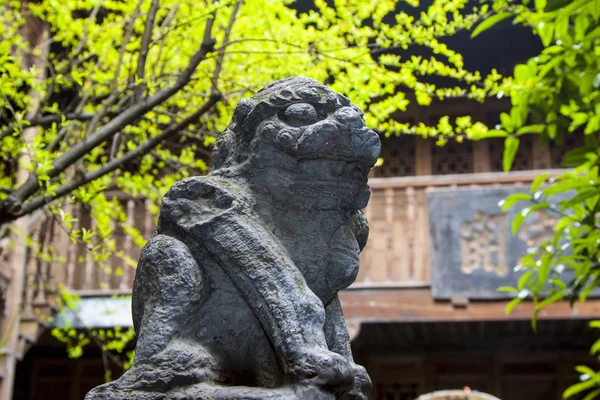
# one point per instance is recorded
(473, 251)
(483, 244)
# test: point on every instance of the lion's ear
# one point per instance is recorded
(242, 111)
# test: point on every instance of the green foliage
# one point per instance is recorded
(113, 341)
(557, 92)
(553, 95)
(58, 112)
(112, 95)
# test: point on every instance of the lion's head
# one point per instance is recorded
(296, 135)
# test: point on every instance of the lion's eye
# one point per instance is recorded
(301, 114)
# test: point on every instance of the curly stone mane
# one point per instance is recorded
(234, 145)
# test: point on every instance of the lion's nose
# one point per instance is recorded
(349, 117)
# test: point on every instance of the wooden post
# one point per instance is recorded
(541, 156)
(423, 156)
(389, 234)
(481, 156)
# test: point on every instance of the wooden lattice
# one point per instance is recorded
(452, 158)
(523, 160)
(398, 153)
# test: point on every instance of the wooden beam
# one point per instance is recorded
(417, 305)
(489, 178)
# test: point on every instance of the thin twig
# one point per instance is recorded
(168, 19)
(145, 44)
(221, 53)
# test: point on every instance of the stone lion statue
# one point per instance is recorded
(236, 293)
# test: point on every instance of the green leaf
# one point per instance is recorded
(536, 128)
(575, 157)
(583, 369)
(520, 217)
(512, 199)
(507, 122)
(563, 186)
(595, 324)
(512, 304)
(540, 5)
(554, 61)
(579, 119)
(522, 282)
(594, 8)
(559, 283)
(593, 125)
(545, 33)
(537, 182)
(489, 22)
(493, 133)
(508, 289)
(595, 349)
(581, 197)
(558, 296)
(579, 387)
(594, 394)
(511, 145)
(518, 113)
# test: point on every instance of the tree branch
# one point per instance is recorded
(146, 38)
(83, 39)
(163, 26)
(47, 120)
(221, 56)
(112, 165)
(115, 82)
(31, 185)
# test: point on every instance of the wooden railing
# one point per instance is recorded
(397, 253)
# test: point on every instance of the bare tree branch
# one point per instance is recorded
(115, 82)
(221, 56)
(47, 120)
(86, 29)
(146, 38)
(112, 165)
(168, 19)
(31, 185)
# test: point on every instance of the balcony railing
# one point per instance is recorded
(397, 253)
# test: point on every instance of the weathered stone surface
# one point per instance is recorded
(235, 296)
